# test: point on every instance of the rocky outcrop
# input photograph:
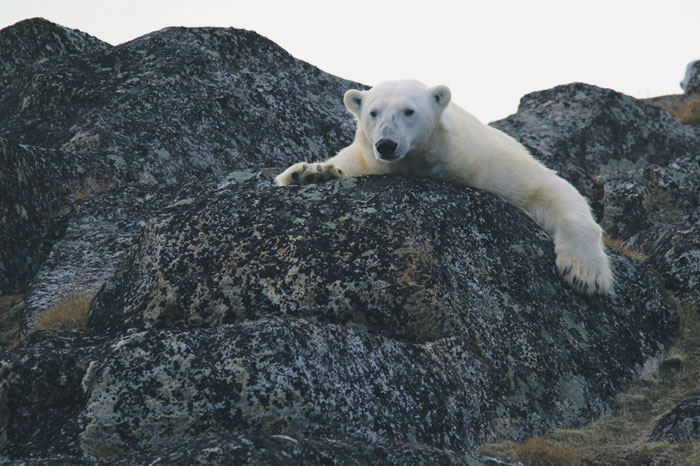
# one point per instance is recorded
(634, 200)
(173, 106)
(381, 320)
(691, 80)
(34, 188)
(682, 423)
(584, 131)
(685, 107)
(37, 39)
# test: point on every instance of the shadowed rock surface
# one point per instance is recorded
(681, 423)
(582, 131)
(37, 39)
(376, 320)
(175, 105)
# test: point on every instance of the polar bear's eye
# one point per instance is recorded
(408, 112)
(373, 113)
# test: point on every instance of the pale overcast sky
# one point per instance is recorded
(489, 52)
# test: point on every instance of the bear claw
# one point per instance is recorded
(308, 173)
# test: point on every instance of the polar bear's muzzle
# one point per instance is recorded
(385, 149)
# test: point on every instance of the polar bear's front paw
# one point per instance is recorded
(308, 173)
(587, 271)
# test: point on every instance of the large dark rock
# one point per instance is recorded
(372, 320)
(34, 188)
(37, 39)
(635, 200)
(99, 230)
(691, 80)
(583, 131)
(681, 423)
(172, 106)
(177, 104)
(674, 252)
(41, 395)
(403, 277)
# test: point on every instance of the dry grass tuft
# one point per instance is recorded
(618, 244)
(90, 187)
(621, 438)
(688, 110)
(70, 313)
(537, 451)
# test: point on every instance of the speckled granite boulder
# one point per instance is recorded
(691, 80)
(282, 450)
(377, 320)
(674, 252)
(41, 395)
(176, 105)
(410, 267)
(36, 39)
(583, 131)
(34, 188)
(681, 423)
(632, 201)
(99, 230)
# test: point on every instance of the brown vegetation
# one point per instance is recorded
(70, 313)
(621, 438)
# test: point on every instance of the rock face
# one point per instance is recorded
(37, 39)
(583, 131)
(375, 320)
(691, 80)
(172, 106)
(685, 107)
(680, 423)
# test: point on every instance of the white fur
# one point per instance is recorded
(440, 140)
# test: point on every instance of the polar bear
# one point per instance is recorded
(404, 127)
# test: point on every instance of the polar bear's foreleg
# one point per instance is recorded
(348, 162)
(563, 213)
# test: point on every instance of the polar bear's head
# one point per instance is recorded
(398, 117)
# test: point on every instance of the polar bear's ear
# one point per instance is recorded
(353, 101)
(441, 94)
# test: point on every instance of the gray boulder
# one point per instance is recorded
(174, 106)
(372, 320)
(34, 188)
(674, 252)
(37, 39)
(635, 200)
(379, 269)
(583, 131)
(691, 80)
(681, 423)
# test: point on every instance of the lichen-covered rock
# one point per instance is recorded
(41, 394)
(632, 201)
(691, 80)
(34, 188)
(371, 320)
(280, 376)
(397, 262)
(583, 131)
(283, 450)
(11, 310)
(99, 230)
(35, 39)
(178, 104)
(674, 252)
(681, 423)
(175, 105)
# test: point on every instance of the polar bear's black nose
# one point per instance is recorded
(386, 147)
